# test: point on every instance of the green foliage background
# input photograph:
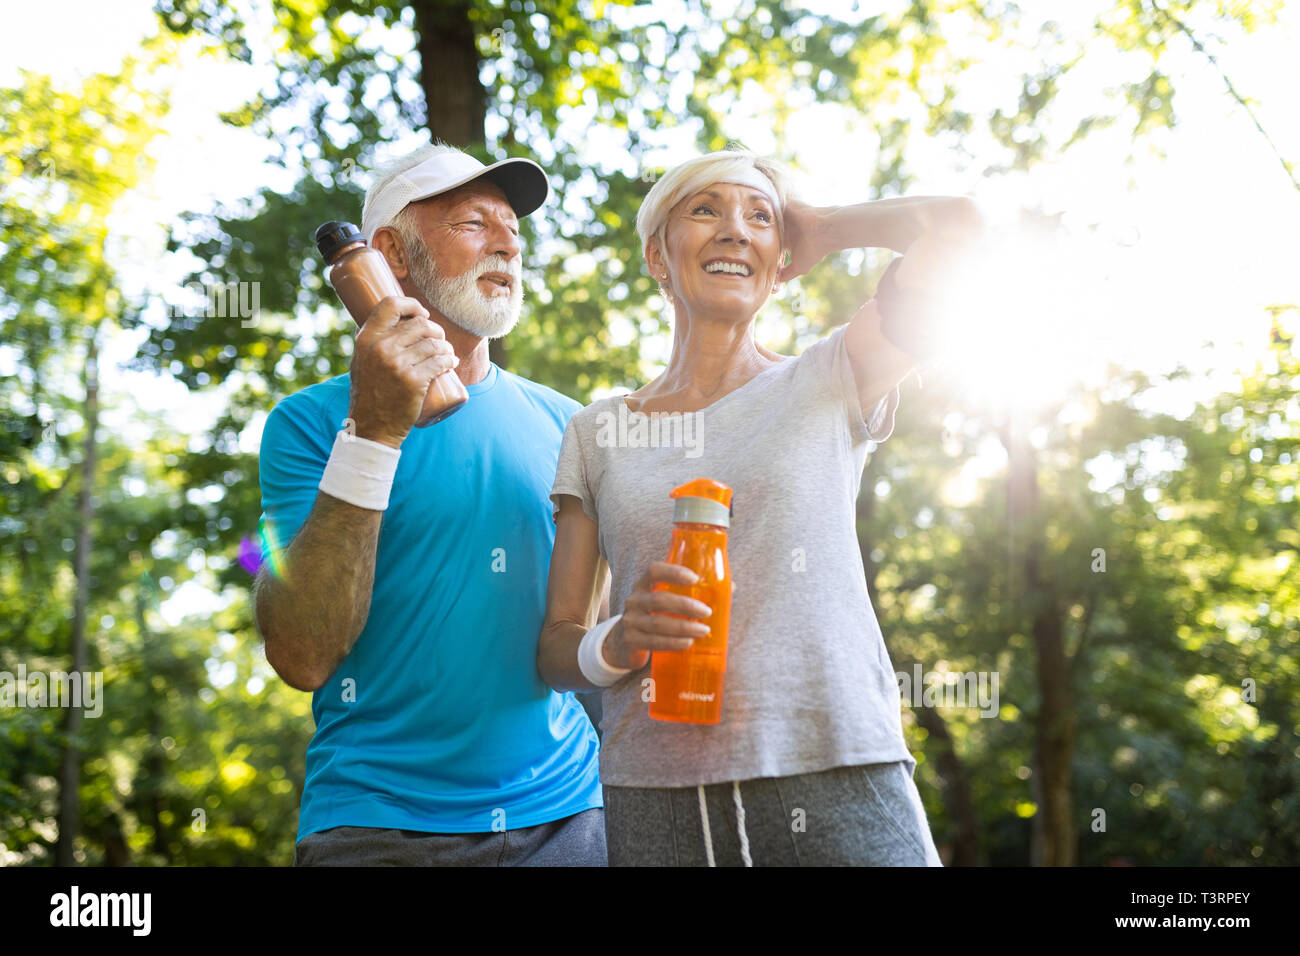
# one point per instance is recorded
(198, 760)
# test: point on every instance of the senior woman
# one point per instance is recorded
(808, 765)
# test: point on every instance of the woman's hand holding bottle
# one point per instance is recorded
(657, 620)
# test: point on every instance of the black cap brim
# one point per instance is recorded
(522, 180)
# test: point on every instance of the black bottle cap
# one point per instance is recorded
(333, 236)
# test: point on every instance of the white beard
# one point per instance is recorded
(459, 298)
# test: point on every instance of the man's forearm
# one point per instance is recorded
(311, 614)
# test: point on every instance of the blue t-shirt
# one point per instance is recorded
(437, 720)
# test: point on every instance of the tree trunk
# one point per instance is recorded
(70, 768)
(155, 767)
(956, 792)
(957, 796)
(1054, 830)
(149, 787)
(455, 102)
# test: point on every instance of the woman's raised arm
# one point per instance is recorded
(934, 231)
(814, 232)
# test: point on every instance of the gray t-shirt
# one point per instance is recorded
(809, 685)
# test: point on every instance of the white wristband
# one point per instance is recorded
(360, 471)
(592, 662)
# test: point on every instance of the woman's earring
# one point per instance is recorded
(786, 256)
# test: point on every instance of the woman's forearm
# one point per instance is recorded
(577, 597)
(557, 657)
(895, 223)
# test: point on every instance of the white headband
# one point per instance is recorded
(752, 177)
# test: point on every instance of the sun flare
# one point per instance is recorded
(1022, 323)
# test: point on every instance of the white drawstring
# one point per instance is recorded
(704, 819)
(740, 824)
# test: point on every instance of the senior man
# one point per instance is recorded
(412, 592)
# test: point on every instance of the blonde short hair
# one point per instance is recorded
(695, 174)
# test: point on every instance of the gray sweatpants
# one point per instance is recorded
(578, 840)
(869, 815)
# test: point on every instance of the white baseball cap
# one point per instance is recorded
(522, 180)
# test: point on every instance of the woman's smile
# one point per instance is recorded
(728, 267)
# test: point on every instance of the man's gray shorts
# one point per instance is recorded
(578, 840)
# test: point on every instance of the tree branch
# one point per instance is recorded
(1085, 629)
(1200, 48)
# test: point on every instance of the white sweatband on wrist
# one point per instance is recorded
(592, 662)
(360, 471)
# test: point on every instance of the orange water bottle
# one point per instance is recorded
(688, 684)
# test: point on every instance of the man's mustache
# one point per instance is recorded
(511, 267)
